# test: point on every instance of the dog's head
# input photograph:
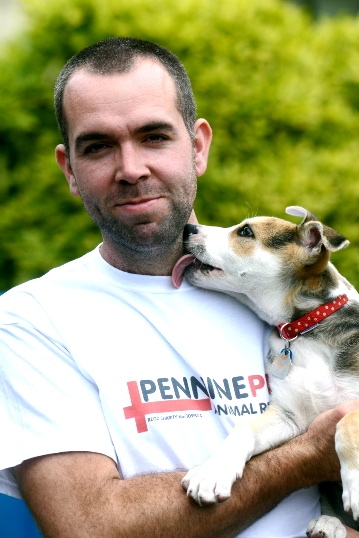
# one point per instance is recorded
(259, 254)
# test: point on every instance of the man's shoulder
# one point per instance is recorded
(71, 268)
(28, 296)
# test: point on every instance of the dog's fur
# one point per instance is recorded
(282, 271)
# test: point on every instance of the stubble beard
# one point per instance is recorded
(144, 240)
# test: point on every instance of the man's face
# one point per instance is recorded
(131, 158)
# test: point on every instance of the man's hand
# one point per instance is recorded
(320, 442)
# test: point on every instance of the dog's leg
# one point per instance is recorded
(326, 527)
(347, 447)
(212, 481)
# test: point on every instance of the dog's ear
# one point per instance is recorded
(298, 211)
(333, 240)
(313, 234)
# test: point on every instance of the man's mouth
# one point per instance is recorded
(138, 206)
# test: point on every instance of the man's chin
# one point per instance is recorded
(144, 236)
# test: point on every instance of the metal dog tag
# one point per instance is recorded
(281, 364)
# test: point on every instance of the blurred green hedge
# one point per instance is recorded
(280, 91)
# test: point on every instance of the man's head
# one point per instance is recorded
(130, 154)
(118, 55)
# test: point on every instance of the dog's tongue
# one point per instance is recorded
(180, 266)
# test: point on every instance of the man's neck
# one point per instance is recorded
(156, 260)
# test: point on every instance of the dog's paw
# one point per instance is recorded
(326, 527)
(210, 482)
(350, 479)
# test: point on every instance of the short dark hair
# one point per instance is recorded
(118, 55)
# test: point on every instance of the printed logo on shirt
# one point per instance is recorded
(145, 394)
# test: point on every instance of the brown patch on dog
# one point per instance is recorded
(315, 266)
(348, 429)
(307, 274)
(272, 233)
(242, 246)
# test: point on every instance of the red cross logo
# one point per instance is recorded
(138, 410)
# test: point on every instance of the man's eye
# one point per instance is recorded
(94, 148)
(155, 138)
(245, 231)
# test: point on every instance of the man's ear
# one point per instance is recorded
(202, 142)
(64, 163)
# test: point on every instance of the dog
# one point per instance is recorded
(282, 272)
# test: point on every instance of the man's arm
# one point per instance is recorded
(81, 495)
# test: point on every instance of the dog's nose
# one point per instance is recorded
(189, 229)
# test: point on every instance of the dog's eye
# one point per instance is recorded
(245, 231)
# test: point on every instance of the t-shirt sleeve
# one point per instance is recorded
(47, 404)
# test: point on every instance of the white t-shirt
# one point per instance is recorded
(95, 359)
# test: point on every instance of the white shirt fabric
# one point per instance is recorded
(95, 359)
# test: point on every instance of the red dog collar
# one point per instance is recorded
(290, 331)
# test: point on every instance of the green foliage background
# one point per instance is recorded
(280, 91)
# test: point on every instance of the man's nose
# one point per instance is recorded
(131, 166)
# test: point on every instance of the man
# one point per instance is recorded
(112, 379)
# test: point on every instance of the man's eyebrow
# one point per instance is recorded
(155, 126)
(89, 137)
